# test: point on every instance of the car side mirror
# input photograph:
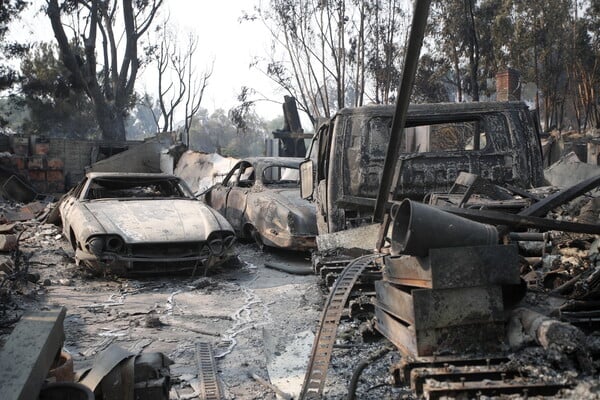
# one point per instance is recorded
(306, 179)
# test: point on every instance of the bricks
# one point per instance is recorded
(36, 162)
(18, 162)
(507, 85)
(36, 175)
(54, 176)
(20, 145)
(42, 148)
(55, 163)
(55, 187)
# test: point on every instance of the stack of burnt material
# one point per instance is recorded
(442, 287)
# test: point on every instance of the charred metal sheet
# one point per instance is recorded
(28, 353)
(438, 390)
(440, 308)
(522, 221)
(451, 373)
(24, 213)
(456, 267)
(16, 189)
(314, 380)
(401, 371)
(487, 336)
(210, 386)
(542, 207)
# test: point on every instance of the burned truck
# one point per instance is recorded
(498, 141)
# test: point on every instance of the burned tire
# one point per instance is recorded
(252, 233)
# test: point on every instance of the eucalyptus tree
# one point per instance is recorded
(109, 33)
(331, 54)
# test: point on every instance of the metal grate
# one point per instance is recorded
(314, 381)
(210, 388)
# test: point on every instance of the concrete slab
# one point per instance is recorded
(29, 352)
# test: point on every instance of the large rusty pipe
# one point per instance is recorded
(419, 227)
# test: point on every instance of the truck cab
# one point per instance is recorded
(497, 140)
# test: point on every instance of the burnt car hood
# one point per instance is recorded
(139, 221)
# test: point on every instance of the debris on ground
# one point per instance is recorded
(247, 329)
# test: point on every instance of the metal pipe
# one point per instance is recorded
(529, 236)
(411, 61)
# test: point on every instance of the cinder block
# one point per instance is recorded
(55, 176)
(28, 353)
(36, 175)
(36, 162)
(20, 145)
(42, 148)
(18, 162)
(56, 163)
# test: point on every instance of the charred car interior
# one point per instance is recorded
(497, 141)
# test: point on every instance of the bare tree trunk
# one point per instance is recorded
(111, 121)
(113, 99)
(457, 72)
(473, 50)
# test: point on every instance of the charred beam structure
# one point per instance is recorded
(292, 135)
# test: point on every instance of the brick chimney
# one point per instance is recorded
(507, 85)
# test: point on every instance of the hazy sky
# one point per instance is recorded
(232, 45)
(222, 38)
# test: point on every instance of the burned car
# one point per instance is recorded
(260, 197)
(142, 223)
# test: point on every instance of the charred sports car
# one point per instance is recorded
(260, 197)
(129, 223)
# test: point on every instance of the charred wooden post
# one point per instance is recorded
(549, 332)
(291, 137)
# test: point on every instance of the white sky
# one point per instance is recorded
(232, 45)
(222, 38)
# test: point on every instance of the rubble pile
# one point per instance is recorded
(244, 328)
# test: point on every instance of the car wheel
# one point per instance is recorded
(253, 233)
(73, 240)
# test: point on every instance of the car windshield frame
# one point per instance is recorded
(144, 188)
(279, 182)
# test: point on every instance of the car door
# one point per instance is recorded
(237, 198)
(217, 197)
(67, 204)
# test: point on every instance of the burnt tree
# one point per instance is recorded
(109, 81)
